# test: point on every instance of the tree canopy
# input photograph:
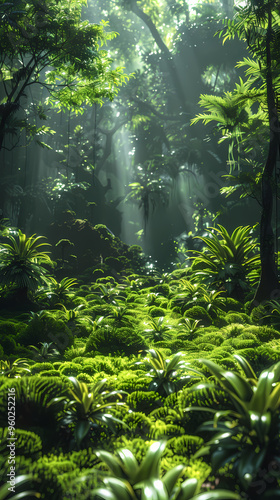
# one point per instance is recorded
(46, 42)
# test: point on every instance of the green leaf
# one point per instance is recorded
(121, 489)
(171, 477)
(149, 467)
(81, 430)
(187, 490)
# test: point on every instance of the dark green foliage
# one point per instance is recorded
(23, 263)
(46, 328)
(232, 305)
(8, 344)
(87, 410)
(247, 430)
(227, 261)
(162, 289)
(144, 402)
(36, 410)
(258, 315)
(11, 328)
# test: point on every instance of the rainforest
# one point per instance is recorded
(139, 249)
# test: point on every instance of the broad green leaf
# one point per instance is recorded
(171, 477)
(112, 462)
(105, 494)
(245, 365)
(81, 430)
(187, 489)
(121, 489)
(129, 462)
(149, 467)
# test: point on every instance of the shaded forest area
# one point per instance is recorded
(139, 284)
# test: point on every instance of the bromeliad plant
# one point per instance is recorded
(247, 434)
(88, 407)
(45, 351)
(228, 261)
(185, 293)
(164, 372)
(22, 263)
(14, 369)
(132, 481)
(157, 329)
(55, 292)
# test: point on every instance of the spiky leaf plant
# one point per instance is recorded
(14, 369)
(45, 351)
(90, 406)
(156, 329)
(228, 261)
(55, 292)
(132, 481)
(22, 263)
(5, 490)
(247, 433)
(164, 372)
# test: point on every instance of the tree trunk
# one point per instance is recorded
(268, 287)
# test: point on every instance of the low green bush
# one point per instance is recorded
(199, 313)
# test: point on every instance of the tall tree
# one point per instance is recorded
(258, 23)
(45, 42)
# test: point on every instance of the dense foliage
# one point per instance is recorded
(121, 378)
(139, 375)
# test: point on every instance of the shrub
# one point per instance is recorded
(232, 305)
(155, 312)
(145, 402)
(8, 344)
(233, 317)
(115, 340)
(47, 330)
(27, 442)
(199, 313)
(40, 367)
(216, 339)
(70, 369)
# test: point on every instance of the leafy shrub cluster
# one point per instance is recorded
(121, 382)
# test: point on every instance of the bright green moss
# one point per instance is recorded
(84, 377)
(185, 446)
(234, 317)
(70, 369)
(155, 312)
(40, 367)
(138, 423)
(115, 341)
(199, 313)
(216, 339)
